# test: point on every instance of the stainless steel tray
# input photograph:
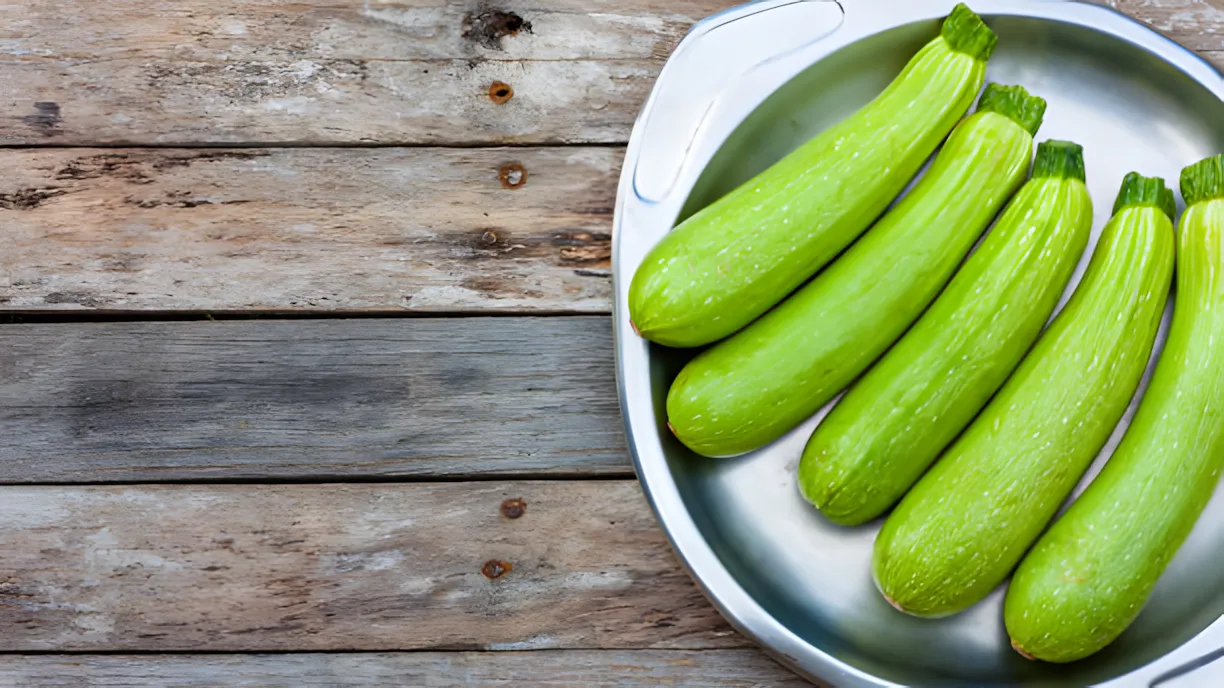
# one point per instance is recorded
(749, 85)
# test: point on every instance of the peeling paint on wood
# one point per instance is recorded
(353, 71)
(352, 567)
(1196, 24)
(422, 230)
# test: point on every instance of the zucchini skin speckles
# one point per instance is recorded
(967, 523)
(1089, 577)
(905, 411)
(751, 389)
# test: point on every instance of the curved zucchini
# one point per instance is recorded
(1091, 574)
(894, 422)
(751, 389)
(731, 262)
(970, 519)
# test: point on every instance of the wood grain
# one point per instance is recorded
(363, 71)
(407, 71)
(556, 669)
(421, 230)
(299, 400)
(398, 230)
(344, 567)
(1196, 24)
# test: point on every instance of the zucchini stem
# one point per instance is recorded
(1140, 191)
(1059, 160)
(965, 31)
(1016, 104)
(1203, 181)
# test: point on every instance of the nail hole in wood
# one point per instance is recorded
(513, 508)
(513, 175)
(500, 92)
(494, 569)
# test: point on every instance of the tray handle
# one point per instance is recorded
(718, 52)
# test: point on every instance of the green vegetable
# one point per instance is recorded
(894, 422)
(966, 524)
(731, 262)
(751, 389)
(1091, 574)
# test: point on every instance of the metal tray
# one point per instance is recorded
(744, 88)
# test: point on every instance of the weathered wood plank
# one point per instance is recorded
(414, 71)
(1196, 24)
(562, 669)
(423, 230)
(346, 71)
(281, 400)
(114, 101)
(344, 567)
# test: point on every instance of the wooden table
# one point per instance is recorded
(308, 378)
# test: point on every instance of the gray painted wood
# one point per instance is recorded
(436, 566)
(547, 669)
(309, 400)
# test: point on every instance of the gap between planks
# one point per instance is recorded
(45, 317)
(592, 669)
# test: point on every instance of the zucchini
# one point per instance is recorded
(749, 390)
(894, 422)
(1091, 574)
(966, 524)
(731, 262)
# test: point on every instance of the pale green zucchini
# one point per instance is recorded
(966, 524)
(894, 422)
(731, 262)
(1091, 574)
(751, 389)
